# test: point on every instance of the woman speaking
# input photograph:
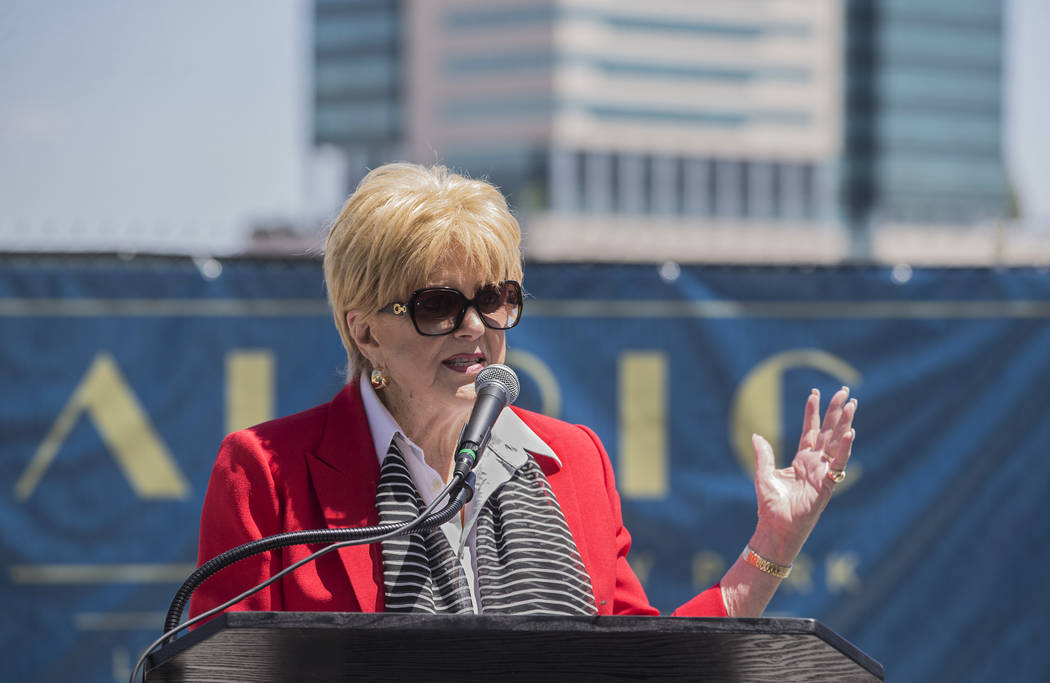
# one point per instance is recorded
(423, 272)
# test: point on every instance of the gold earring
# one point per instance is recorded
(379, 379)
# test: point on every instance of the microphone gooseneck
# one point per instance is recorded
(336, 538)
(460, 492)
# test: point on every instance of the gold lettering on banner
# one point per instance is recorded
(800, 580)
(641, 565)
(533, 366)
(708, 567)
(642, 463)
(249, 388)
(842, 573)
(129, 435)
(756, 406)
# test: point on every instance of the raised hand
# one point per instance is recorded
(791, 499)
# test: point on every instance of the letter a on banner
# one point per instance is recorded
(125, 428)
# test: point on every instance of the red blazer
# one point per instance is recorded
(318, 469)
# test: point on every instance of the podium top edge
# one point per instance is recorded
(546, 624)
(490, 622)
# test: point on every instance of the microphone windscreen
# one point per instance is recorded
(499, 375)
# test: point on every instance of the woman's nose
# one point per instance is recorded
(471, 327)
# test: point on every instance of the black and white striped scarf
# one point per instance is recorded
(527, 561)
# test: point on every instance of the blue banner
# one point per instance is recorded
(121, 376)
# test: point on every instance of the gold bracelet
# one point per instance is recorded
(762, 564)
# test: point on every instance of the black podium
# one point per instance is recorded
(335, 646)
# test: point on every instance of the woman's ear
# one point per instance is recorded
(361, 333)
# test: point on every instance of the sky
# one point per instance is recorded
(175, 126)
(183, 120)
(1027, 105)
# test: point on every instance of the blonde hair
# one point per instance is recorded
(400, 226)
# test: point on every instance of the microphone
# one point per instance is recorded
(497, 387)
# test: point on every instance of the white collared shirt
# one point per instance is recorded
(511, 444)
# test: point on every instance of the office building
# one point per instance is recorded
(621, 129)
(924, 111)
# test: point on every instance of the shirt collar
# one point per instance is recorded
(510, 434)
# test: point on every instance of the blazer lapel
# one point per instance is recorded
(345, 475)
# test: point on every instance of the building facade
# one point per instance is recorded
(924, 111)
(359, 74)
(712, 127)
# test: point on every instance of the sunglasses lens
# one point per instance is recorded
(435, 310)
(500, 305)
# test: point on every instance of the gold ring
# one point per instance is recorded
(836, 475)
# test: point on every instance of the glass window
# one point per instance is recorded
(954, 88)
(495, 17)
(729, 189)
(936, 173)
(971, 12)
(564, 180)
(760, 194)
(359, 120)
(664, 180)
(358, 73)
(486, 62)
(944, 128)
(696, 187)
(943, 43)
(741, 30)
(809, 191)
(791, 190)
(597, 182)
(631, 192)
(347, 31)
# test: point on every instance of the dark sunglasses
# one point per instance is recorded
(440, 310)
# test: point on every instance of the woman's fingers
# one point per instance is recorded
(845, 423)
(839, 458)
(831, 418)
(810, 422)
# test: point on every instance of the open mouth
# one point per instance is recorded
(465, 362)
